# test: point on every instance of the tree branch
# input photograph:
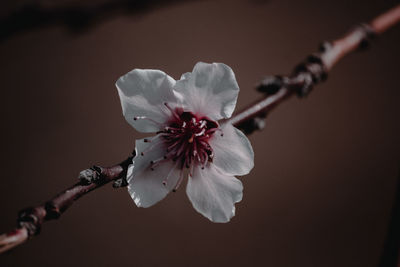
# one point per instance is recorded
(277, 88)
(313, 70)
(31, 219)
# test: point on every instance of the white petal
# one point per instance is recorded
(232, 152)
(185, 75)
(145, 185)
(210, 90)
(143, 93)
(214, 193)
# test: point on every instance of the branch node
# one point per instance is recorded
(307, 74)
(324, 47)
(91, 175)
(52, 212)
(259, 123)
(121, 182)
(271, 84)
(368, 35)
(251, 125)
(31, 219)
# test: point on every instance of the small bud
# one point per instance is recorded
(270, 85)
(120, 183)
(259, 123)
(90, 175)
(325, 46)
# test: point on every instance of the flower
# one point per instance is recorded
(184, 115)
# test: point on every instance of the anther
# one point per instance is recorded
(171, 171)
(156, 162)
(191, 139)
(147, 118)
(179, 181)
(219, 130)
(203, 123)
(201, 133)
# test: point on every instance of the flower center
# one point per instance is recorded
(187, 138)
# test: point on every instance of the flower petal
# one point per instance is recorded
(210, 90)
(146, 185)
(232, 151)
(143, 93)
(214, 193)
(185, 76)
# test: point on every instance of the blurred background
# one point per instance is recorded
(326, 166)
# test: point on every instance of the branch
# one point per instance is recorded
(276, 88)
(30, 220)
(312, 71)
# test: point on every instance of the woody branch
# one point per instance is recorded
(276, 89)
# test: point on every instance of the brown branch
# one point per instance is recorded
(312, 71)
(31, 219)
(277, 89)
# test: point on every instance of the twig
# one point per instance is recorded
(312, 71)
(31, 219)
(277, 89)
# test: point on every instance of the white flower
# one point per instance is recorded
(184, 115)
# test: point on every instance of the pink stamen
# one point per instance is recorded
(179, 181)
(201, 133)
(202, 124)
(186, 140)
(149, 119)
(173, 112)
(165, 181)
(172, 146)
(151, 146)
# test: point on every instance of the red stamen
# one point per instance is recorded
(186, 138)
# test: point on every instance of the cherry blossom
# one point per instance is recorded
(189, 141)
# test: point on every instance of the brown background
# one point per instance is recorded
(325, 166)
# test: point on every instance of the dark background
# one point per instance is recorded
(325, 169)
